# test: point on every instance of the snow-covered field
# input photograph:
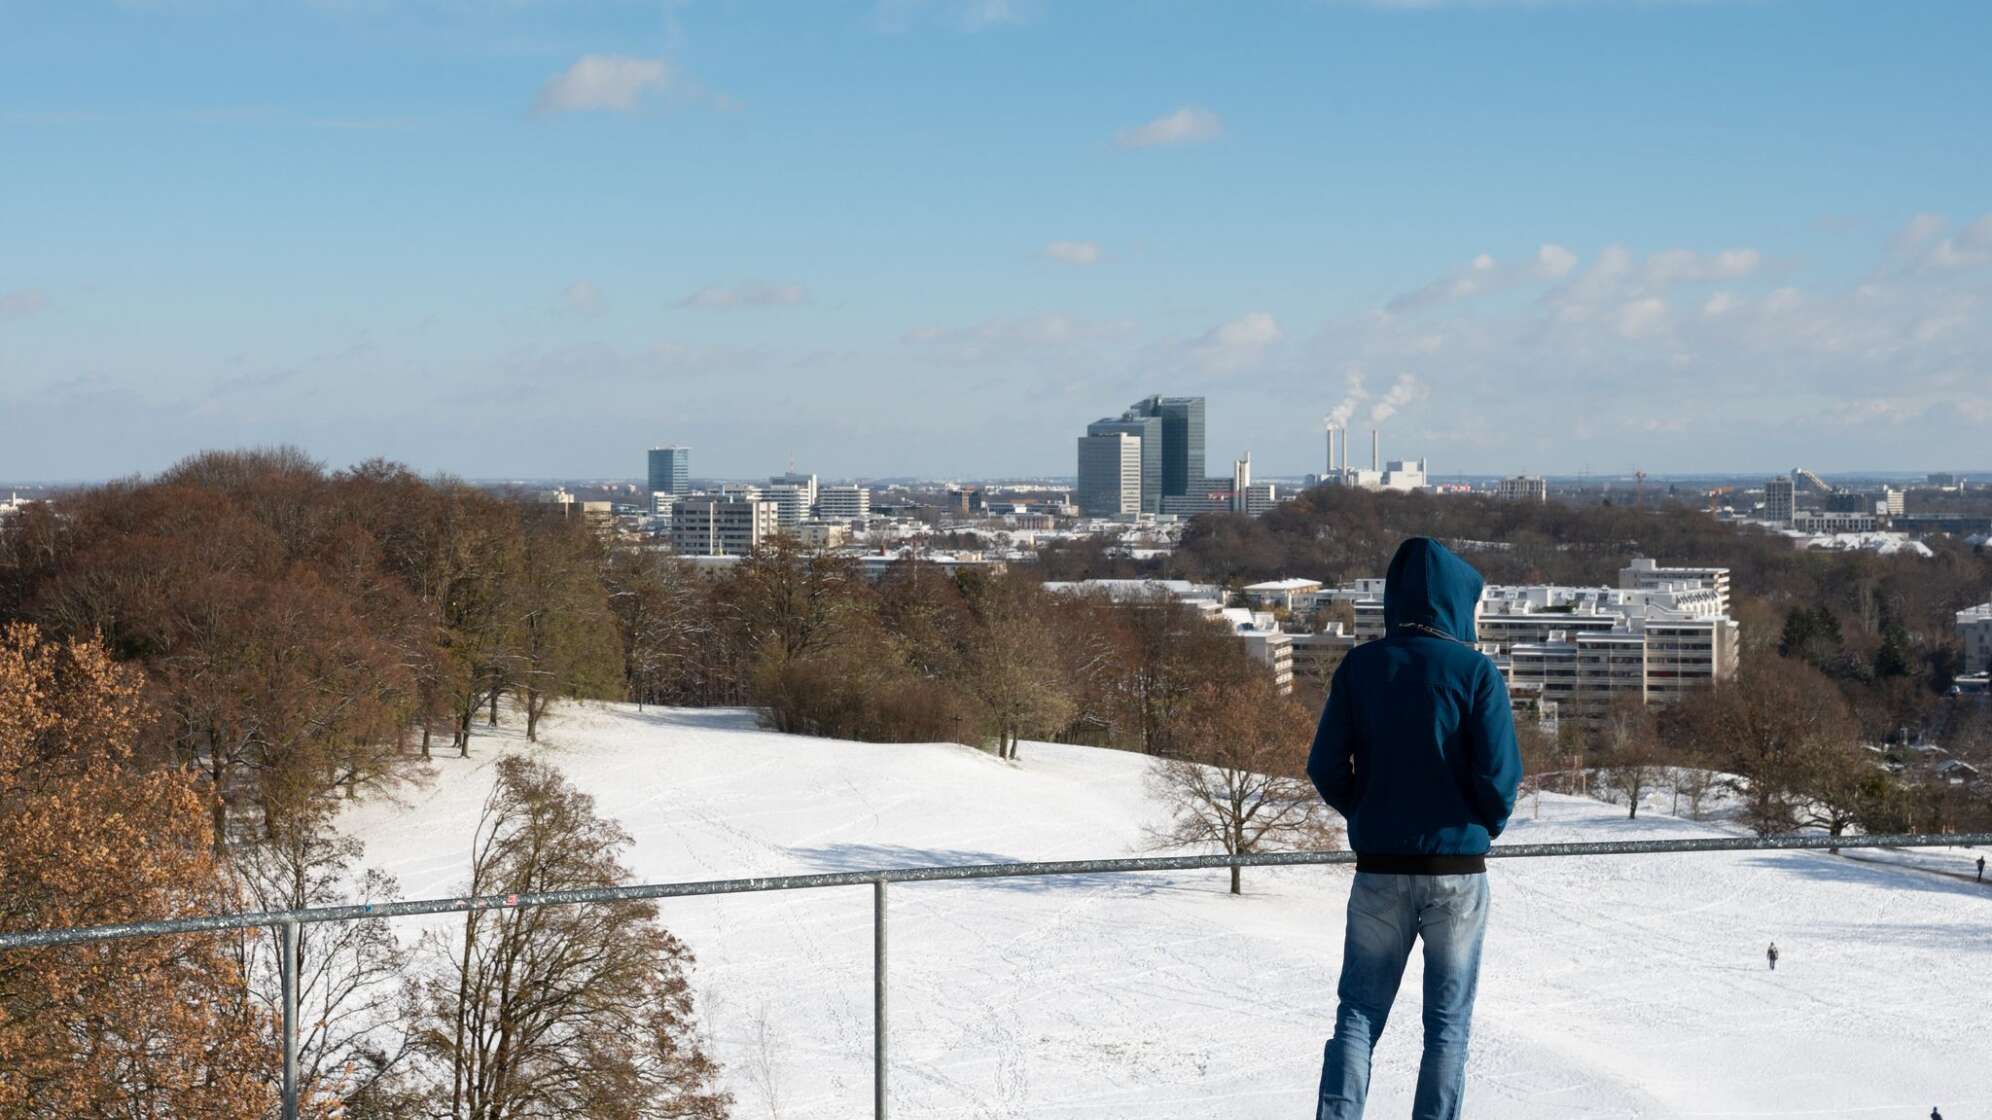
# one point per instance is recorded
(1632, 986)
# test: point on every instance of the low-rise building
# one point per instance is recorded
(1524, 488)
(719, 527)
(1283, 594)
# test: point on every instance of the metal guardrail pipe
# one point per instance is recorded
(597, 895)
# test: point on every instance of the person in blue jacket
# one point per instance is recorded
(1416, 749)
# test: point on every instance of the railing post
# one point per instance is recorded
(287, 969)
(878, 999)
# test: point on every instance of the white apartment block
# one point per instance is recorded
(1667, 632)
(1316, 656)
(1974, 629)
(806, 481)
(717, 527)
(1647, 575)
(1524, 488)
(792, 503)
(1265, 642)
(843, 503)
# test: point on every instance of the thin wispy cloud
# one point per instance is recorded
(751, 295)
(1073, 252)
(1187, 125)
(602, 83)
(582, 298)
(900, 16)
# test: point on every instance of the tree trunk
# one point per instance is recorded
(533, 705)
(1235, 887)
(425, 738)
(494, 707)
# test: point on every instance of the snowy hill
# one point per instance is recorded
(1632, 986)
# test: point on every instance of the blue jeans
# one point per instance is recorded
(1386, 914)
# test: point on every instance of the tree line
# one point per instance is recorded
(201, 667)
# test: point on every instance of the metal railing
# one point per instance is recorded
(286, 922)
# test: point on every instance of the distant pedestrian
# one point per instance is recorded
(1772, 954)
(1981, 869)
(1934, 1114)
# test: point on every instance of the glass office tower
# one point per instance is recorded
(670, 470)
(1182, 440)
(1147, 429)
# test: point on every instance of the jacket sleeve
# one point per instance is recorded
(1331, 762)
(1497, 760)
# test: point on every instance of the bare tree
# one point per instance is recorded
(560, 1011)
(353, 1045)
(1240, 782)
(1630, 759)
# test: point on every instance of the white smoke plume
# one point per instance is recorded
(1346, 411)
(1406, 390)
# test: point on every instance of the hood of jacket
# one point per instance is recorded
(1428, 585)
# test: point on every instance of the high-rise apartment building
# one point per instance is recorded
(1182, 440)
(1780, 500)
(721, 527)
(670, 470)
(1109, 475)
(1148, 429)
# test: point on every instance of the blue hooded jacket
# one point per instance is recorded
(1416, 747)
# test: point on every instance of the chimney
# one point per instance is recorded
(1331, 452)
(1345, 451)
(1376, 452)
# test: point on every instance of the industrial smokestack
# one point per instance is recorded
(1376, 452)
(1330, 469)
(1345, 451)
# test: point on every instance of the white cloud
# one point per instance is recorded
(746, 295)
(1187, 125)
(1235, 345)
(1641, 318)
(1074, 252)
(602, 82)
(582, 298)
(22, 303)
(1553, 262)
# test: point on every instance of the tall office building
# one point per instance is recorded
(1147, 429)
(1109, 474)
(670, 470)
(1182, 440)
(1780, 500)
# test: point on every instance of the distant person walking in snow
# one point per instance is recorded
(1981, 869)
(1416, 749)
(1772, 953)
(1934, 1114)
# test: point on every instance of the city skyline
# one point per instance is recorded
(936, 239)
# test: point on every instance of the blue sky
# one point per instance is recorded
(516, 238)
